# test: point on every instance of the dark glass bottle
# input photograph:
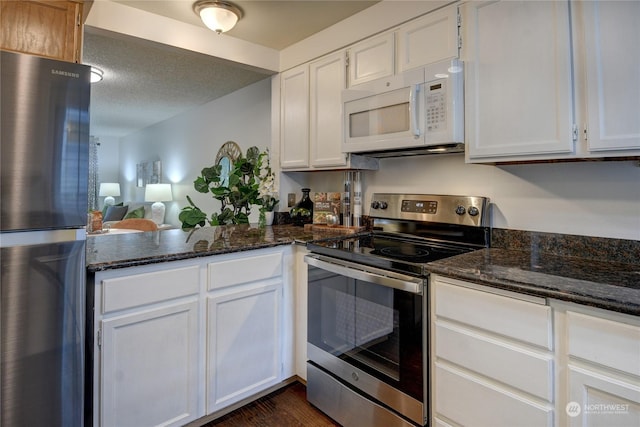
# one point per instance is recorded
(302, 212)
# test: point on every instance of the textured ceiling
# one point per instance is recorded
(147, 82)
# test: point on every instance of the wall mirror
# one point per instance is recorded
(226, 157)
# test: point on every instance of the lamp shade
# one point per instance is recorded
(109, 189)
(219, 16)
(158, 193)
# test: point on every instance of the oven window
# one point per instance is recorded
(375, 328)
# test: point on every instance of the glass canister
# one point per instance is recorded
(352, 199)
(302, 212)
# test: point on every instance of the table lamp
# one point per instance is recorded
(109, 189)
(158, 193)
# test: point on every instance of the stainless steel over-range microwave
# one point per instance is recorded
(421, 108)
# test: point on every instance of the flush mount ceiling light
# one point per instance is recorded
(96, 74)
(220, 16)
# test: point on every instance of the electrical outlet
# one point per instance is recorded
(291, 200)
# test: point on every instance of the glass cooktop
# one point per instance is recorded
(397, 254)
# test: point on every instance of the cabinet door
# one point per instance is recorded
(486, 371)
(429, 39)
(518, 87)
(46, 28)
(371, 59)
(243, 342)
(150, 367)
(294, 116)
(327, 80)
(599, 400)
(612, 72)
(471, 400)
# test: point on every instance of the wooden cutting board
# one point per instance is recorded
(338, 229)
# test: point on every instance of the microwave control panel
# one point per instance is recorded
(436, 110)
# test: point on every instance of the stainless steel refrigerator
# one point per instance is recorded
(43, 203)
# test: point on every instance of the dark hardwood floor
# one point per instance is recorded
(287, 407)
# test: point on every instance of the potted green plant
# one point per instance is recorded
(248, 182)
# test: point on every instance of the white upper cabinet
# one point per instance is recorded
(422, 41)
(536, 91)
(311, 122)
(371, 59)
(429, 39)
(311, 126)
(327, 80)
(294, 117)
(518, 85)
(612, 73)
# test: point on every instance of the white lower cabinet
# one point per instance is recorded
(602, 353)
(147, 347)
(243, 330)
(244, 326)
(180, 340)
(492, 359)
(149, 370)
(504, 359)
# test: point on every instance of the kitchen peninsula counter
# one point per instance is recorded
(604, 284)
(107, 252)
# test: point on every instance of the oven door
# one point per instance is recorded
(366, 327)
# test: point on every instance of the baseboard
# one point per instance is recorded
(222, 412)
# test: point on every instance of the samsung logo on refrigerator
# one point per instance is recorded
(65, 73)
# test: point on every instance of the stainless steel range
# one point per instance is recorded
(367, 307)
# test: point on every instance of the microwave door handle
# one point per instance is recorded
(413, 106)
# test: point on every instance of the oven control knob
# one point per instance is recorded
(383, 205)
(473, 211)
(460, 210)
(375, 204)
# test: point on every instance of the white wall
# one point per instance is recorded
(599, 199)
(585, 198)
(187, 143)
(108, 159)
(108, 163)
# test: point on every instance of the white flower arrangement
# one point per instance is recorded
(267, 187)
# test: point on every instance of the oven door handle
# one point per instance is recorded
(378, 276)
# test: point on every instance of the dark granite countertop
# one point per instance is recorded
(107, 252)
(604, 284)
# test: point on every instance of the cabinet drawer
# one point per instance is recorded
(520, 368)
(148, 288)
(521, 320)
(470, 401)
(618, 344)
(244, 270)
